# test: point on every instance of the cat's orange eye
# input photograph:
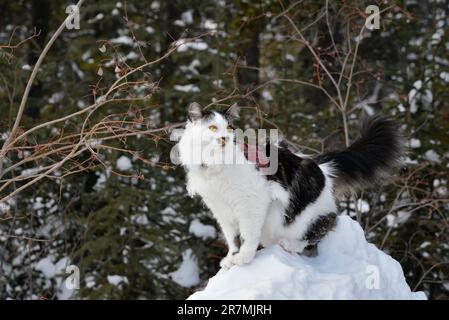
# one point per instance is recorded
(229, 128)
(213, 128)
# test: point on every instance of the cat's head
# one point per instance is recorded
(209, 133)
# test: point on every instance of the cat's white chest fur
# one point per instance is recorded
(230, 190)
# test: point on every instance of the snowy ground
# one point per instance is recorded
(347, 267)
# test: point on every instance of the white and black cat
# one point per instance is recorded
(294, 207)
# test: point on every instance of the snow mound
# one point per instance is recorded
(346, 267)
(188, 273)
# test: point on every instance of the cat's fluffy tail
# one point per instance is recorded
(369, 159)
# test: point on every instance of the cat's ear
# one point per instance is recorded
(233, 111)
(194, 111)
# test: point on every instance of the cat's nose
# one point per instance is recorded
(223, 141)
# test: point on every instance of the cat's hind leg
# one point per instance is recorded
(316, 231)
(320, 228)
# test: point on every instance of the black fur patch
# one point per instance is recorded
(208, 114)
(303, 179)
(320, 227)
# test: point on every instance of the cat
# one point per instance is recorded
(296, 206)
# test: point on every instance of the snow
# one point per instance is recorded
(425, 244)
(168, 211)
(415, 143)
(407, 160)
(132, 56)
(394, 220)
(290, 57)
(436, 183)
(187, 17)
(149, 29)
(416, 42)
(418, 94)
(98, 17)
(140, 219)
(201, 230)
(432, 156)
(187, 88)
(445, 76)
(155, 6)
(56, 271)
(362, 206)
(77, 70)
(116, 279)
(47, 267)
(218, 83)
(183, 45)
(123, 163)
(188, 273)
(90, 281)
(191, 67)
(210, 24)
(267, 95)
(101, 181)
(5, 207)
(50, 269)
(37, 205)
(179, 23)
(65, 293)
(123, 40)
(30, 171)
(56, 97)
(436, 38)
(412, 56)
(169, 215)
(346, 267)
(4, 135)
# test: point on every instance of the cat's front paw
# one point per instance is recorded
(226, 262)
(243, 257)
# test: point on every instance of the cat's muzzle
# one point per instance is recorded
(223, 141)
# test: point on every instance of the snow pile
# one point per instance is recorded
(202, 231)
(50, 269)
(188, 274)
(56, 270)
(347, 267)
